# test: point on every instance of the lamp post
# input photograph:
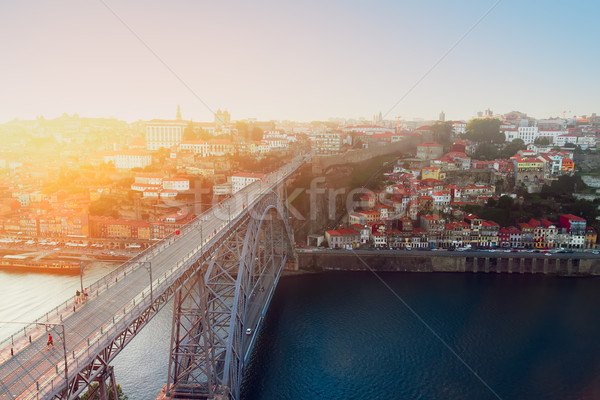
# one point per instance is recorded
(81, 274)
(148, 266)
(64, 341)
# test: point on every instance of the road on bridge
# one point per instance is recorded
(35, 370)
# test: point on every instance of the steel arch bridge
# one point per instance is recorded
(219, 309)
(221, 272)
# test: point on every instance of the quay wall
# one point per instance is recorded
(572, 265)
(321, 163)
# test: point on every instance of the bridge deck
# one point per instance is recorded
(114, 302)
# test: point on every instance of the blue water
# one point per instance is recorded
(347, 336)
(344, 335)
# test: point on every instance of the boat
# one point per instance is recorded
(40, 266)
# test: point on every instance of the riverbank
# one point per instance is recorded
(577, 264)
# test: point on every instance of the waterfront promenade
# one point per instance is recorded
(499, 261)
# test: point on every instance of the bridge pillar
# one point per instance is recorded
(218, 312)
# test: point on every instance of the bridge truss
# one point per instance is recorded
(222, 282)
(218, 311)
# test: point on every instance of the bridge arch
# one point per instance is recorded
(228, 299)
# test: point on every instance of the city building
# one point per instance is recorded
(572, 224)
(243, 179)
(342, 238)
(129, 159)
(164, 133)
(429, 151)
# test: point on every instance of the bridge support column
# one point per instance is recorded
(220, 309)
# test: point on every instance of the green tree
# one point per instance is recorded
(105, 206)
(188, 132)
(242, 128)
(442, 132)
(257, 133)
(126, 182)
(111, 396)
(542, 141)
(491, 202)
(505, 203)
(486, 151)
(564, 185)
(484, 130)
(512, 148)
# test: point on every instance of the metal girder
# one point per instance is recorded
(211, 314)
(97, 367)
(233, 263)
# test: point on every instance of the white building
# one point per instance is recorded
(586, 141)
(262, 147)
(441, 199)
(129, 159)
(243, 179)
(277, 144)
(528, 134)
(327, 143)
(345, 238)
(164, 133)
(459, 127)
(150, 179)
(379, 239)
(142, 187)
(213, 147)
(178, 184)
(222, 189)
(564, 139)
(365, 232)
(366, 129)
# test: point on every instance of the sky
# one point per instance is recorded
(298, 60)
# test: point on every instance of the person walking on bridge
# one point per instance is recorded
(50, 341)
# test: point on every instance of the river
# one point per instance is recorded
(347, 335)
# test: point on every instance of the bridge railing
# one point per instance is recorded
(88, 347)
(83, 355)
(55, 315)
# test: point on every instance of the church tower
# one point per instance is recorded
(178, 117)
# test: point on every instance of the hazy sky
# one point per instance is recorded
(301, 60)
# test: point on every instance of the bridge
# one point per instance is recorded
(221, 269)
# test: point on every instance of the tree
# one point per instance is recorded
(442, 132)
(485, 130)
(126, 182)
(505, 203)
(105, 206)
(542, 141)
(188, 132)
(564, 185)
(486, 151)
(491, 202)
(584, 209)
(242, 128)
(512, 148)
(257, 133)
(111, 396)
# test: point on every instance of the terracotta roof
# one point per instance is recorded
(430, 144)
(342, 231)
